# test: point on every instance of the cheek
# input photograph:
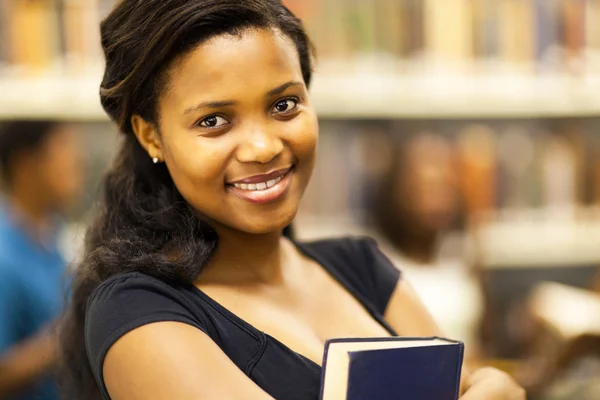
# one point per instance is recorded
(303, 138)
(197, 167)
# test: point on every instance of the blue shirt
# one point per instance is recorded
(32, 292)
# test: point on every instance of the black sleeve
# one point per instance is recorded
(360, 266)
(124, 303)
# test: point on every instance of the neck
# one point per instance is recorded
(243, 258)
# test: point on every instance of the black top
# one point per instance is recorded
(128, 301)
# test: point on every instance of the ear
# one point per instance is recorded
(147, 134)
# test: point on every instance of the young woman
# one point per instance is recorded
(188, 289)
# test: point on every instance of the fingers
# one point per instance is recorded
(492, 384)
(479, 392)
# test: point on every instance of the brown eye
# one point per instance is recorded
(213, 121)
(284, 106)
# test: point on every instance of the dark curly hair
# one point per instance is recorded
(143, 223)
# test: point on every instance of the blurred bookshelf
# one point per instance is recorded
(381, 59)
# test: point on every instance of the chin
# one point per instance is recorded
(268, 218)
(268, 225)
(265, 222)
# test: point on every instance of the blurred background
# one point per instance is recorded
(463, 134)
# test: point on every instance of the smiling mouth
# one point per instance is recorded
(263, 189)
(257, 185)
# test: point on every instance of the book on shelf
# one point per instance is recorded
(34, 30)
(519, 164)
(38, 36)
(547, 30)
(516, 39)
(592, 25)
(392, 27)
(415, 14)
(477, 163)
(555, 35)
(392, 368)
(81, 45)
(5, 38)
(485, 28)
(449, 30)
(574, 35)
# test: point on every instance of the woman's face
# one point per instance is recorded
(238, 132)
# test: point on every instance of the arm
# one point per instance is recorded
(172, 360)
(409, 317)
(407, 314)
(26, 362)
(21, 362)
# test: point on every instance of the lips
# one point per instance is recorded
(262, 189)
(262, 178)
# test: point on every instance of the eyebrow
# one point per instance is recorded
(283, 88)
(219, 104)
(209, 104)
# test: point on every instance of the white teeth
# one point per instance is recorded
(258, 186)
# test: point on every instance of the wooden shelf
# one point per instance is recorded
(431, 97)
(56, 97)
(352, 96)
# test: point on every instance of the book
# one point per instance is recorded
(516, 37)
(32, 27)
(564, 341)
(574, 35)
(448, 30)
(592, 15)
(552, 304)
(392, 27)
(546, 31)
(485, 29)
(513, 255)
(392, 368)
(5, 39)
(477, 159)
(532, 36)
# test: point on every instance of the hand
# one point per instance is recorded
(27, 361)
(492, 384)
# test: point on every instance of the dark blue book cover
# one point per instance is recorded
(418, 368)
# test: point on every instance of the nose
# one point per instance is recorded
(259, 146)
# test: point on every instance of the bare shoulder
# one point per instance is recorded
(172, 360)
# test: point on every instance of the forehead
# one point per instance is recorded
(64, 139)
(229, 65)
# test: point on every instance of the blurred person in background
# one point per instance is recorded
(418, 206)
(41, 178)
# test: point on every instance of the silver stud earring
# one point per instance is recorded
(155, 160)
